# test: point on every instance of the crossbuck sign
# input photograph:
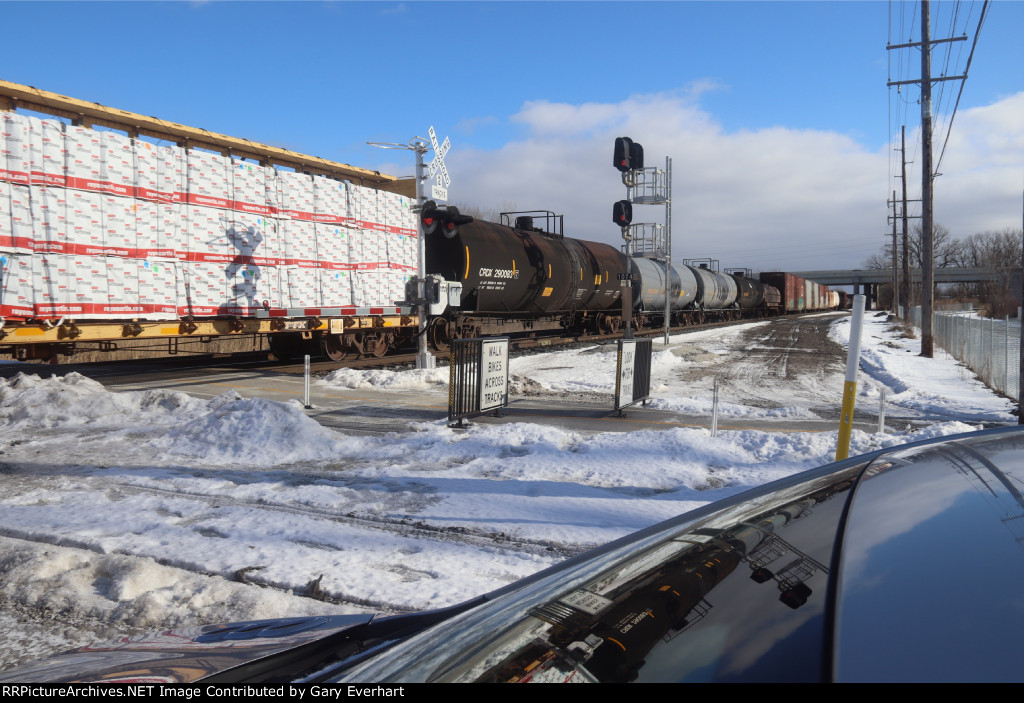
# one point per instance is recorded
(439, 190)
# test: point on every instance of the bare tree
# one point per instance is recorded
(880, 259)
(1000, 251)
(946, 250)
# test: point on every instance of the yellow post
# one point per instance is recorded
(850, 387)
(846, 420)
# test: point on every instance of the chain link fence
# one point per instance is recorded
(989, 347)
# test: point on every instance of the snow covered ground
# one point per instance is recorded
(135, 511)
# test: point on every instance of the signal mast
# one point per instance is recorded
(645, 186)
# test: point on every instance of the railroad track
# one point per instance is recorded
(515, 344)
(405, 527)
(259, 361)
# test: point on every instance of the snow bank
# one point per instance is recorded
(412, 379)
(75, 401)
(940, 388)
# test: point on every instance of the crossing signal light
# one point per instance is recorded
(629, 156)
(430, 217)
(446, 220)
(622, 213)
(451, 220)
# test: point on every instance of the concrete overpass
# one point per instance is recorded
(861, 277)
(867, 280)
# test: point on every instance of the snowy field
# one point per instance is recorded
(136, 511)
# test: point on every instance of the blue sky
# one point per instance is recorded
(772, 112)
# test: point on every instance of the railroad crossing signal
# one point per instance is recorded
(430, 217)
(439, 190)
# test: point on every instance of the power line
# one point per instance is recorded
(970, 57)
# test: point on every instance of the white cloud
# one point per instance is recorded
(472, 124)
(983, 169)
(772, 198)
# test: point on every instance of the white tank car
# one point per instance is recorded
(716, 291)
(649, 286)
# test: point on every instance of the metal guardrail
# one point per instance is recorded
(477, 377)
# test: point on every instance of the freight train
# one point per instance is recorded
(112, 243)
(517, 277)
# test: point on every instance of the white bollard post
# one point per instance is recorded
(850, 386)
(881, 412)
(714, 410)
(305, 394)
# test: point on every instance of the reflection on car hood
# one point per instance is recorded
(932, 565)
(187, 654)
(710, 596)
(795, 581)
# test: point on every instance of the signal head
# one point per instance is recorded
(636, 156)
(451, 219)
(430, 217)
(622, 213)
(623, 154)
(629, 155)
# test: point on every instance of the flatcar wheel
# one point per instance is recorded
(381, 345)
(440, 334)
(334, 347)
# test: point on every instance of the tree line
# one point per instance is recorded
(1001, 251)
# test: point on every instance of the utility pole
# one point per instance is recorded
(895, 262)
(927, 229)
(904, 281)
(905, 293)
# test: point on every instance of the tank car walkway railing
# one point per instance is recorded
(989, 347)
